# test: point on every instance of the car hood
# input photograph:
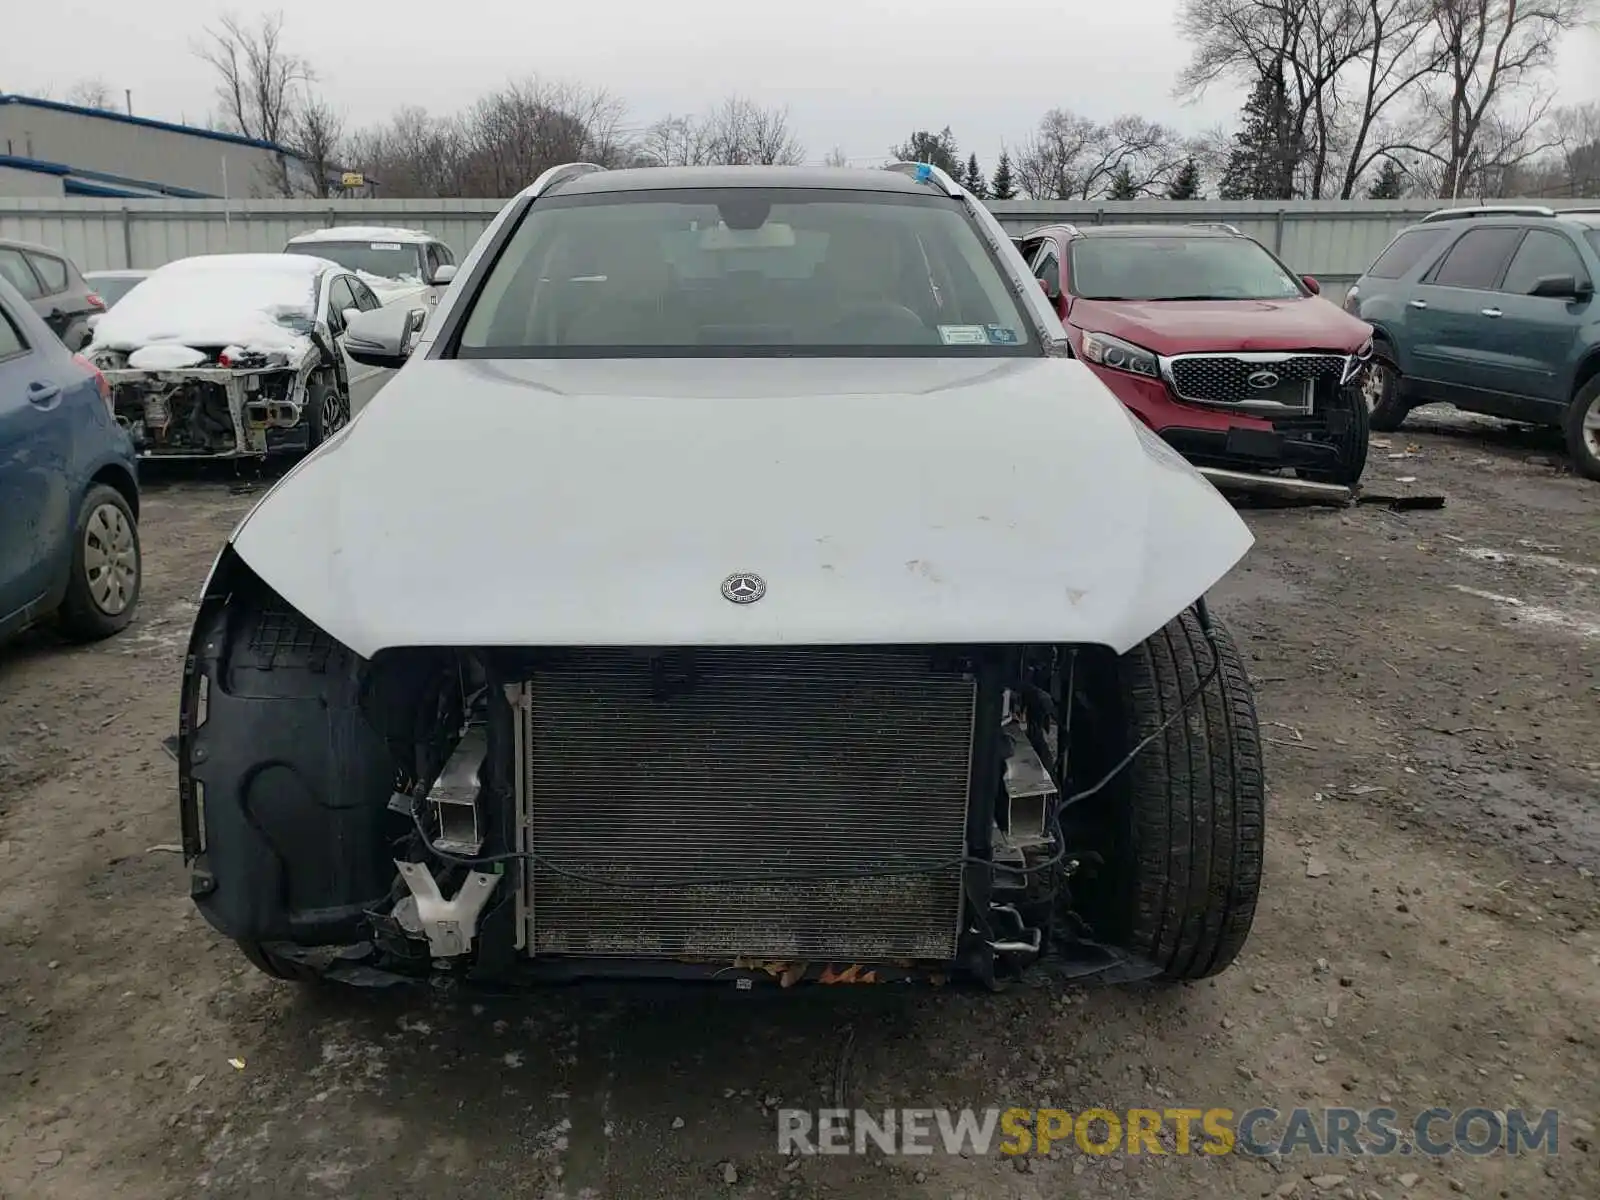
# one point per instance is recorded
(583, 502)
(1188, 326)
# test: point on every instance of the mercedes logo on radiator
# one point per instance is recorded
(1260, 381)
(744, 588)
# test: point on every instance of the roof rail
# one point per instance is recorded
(556, 176)
(1222, 225)
(1582, 209)
(1490, 210)
(927, 173)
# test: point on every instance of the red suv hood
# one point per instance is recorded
(1189, 326)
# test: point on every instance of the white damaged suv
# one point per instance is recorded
(739, 582)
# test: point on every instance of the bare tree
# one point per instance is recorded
(1307, 44)
(836, 158)
(1071, 157)
(259, 82)
(496, 148)
(1398, 55)
(1490, 49)
(316, 133)
(1576, 131)
(413, 155)
(737, 132)
(91, 93)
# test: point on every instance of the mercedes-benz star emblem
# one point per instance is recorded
(744, 588)
(1262, 380)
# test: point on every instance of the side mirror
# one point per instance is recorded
(1312, 285)
(350, 314)
(443, 274)
(1561, 287)
(383, 337)
(92, 320)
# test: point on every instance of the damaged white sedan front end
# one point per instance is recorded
(227, 356)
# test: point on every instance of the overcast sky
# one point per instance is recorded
(858, 74)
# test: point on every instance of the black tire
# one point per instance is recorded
(1187, 868)
(1582, 427)
(327, 408)
(1351, 443)
(107, 567)
(275, 965)
(1386, 408)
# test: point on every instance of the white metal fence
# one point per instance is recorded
(1334, 240)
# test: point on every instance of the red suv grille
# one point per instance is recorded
(1224, 379)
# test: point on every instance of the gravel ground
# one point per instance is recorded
(1430, 688)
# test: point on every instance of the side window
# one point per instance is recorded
(1406, 251)
(1542, 253)
(51, 271)
(430, 260)
(12, 343)
(446, 255)
(365, 300)
(18, 274)
(1048, 268)
(1477, 259)
(339, 299)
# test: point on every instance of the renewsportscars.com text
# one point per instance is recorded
(1209, 1131)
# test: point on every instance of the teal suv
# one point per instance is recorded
(1492, 310)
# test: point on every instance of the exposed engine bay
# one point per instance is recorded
(752, 814)
(224, 402)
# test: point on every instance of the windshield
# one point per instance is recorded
(112, 288)
(380, 260)
(1178, 268)
(745, 271)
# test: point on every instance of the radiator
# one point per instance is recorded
(673, 799)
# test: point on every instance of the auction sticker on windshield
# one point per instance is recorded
(963, 335)
(1002, 335)
(385, 246)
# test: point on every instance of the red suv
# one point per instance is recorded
(1211, 341)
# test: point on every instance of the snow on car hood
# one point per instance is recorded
(257, 301)
(1188, 326)
(584, 502)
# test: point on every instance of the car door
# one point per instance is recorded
(67, 311)
(347, 292)
(14, 269)
(35, 457)
(1447, 315)
(1046, 267)
(1535, 338)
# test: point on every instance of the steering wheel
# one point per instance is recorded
(879, 313)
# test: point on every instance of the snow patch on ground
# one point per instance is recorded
(1583, 625)
(1484, 554)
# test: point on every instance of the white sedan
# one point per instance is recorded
(236, 355)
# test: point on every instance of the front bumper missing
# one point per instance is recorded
(251, 414)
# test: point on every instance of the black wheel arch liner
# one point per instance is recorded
(283, 784)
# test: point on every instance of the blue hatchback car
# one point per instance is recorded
(69, 490)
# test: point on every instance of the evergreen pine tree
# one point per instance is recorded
(1186, 185)
(1389, 183)
(1122, 185)
(974, 181)
(1263, 159)
(936, 148)
(1003, 187)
